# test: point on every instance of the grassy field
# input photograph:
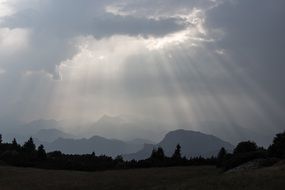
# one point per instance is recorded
(200, 177)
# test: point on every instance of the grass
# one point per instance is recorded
(196, 178)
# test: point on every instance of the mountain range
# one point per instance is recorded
(50, 133)
(127, 128)
(193, 144)
(132, 137)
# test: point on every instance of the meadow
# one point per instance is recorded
(180, 178)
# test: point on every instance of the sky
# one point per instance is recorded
(176, 61)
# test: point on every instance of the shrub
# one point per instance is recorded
(245, 147)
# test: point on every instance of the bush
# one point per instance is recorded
(235, 160)
(245, 147)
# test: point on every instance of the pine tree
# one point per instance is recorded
(222, 153)
(157, 154)
(277, 149)
(177, 153)
(119, 158)
(41, 153)
(29, 146)
(221, 157)
(160, 153)
(15, 144)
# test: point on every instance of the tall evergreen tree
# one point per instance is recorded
(119, 158)
(41, 153)
(222, 153)
(221, 157)
(277, 149)
(29, 146)
(177, 153)
(15, 144)
(160, 153)
(157, 154)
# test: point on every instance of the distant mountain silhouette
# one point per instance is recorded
(193, 144)
(127, 128)
(38, 125)
(50, 135)
(97, 144)
(44, 130)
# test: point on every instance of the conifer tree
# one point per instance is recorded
(221, 157)
(177, 153)
(42, 153)
(277, 149)
(29, 146)
(15, 144)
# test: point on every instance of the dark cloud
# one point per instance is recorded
(71, 18)
(55, 24)
(159, 8)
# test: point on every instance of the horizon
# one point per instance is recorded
(107, 127)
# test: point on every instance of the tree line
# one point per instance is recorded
(248, 150)
(28, 155)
